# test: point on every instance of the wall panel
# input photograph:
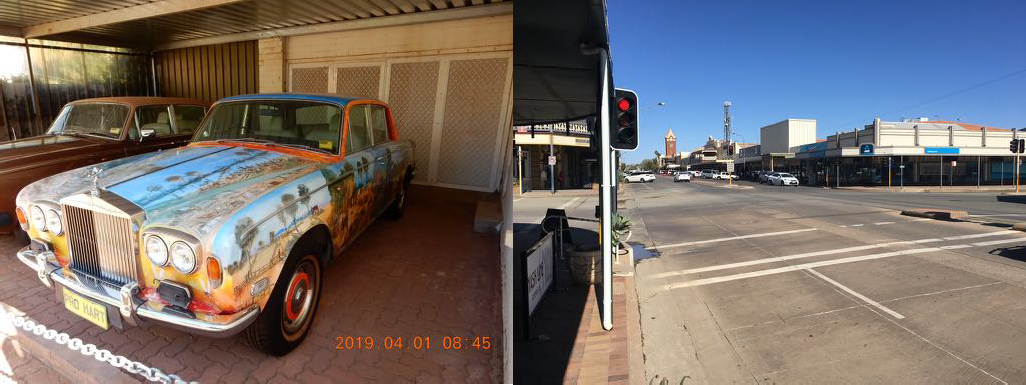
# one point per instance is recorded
(208, 72)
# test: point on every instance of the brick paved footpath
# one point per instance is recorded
(601, 356)
(426, 275)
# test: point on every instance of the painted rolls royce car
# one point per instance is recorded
(229, 234)
(91, 131)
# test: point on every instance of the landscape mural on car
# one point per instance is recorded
(249, 206)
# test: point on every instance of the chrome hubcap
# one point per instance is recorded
(298, 300)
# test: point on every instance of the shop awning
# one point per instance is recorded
(165, 24)
(554, 78)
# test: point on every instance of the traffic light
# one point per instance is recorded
(1017, 146)
(624, 125)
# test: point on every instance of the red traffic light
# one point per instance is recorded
(624, 105)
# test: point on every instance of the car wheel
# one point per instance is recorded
(289, 312)
(398, 206)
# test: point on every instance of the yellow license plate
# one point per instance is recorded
(92, 311)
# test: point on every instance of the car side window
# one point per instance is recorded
(156, 118)
(187, 118)
(379, 124)
(359, 134)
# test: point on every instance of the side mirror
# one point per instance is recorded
(146, 133)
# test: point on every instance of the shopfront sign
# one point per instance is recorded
(941, 150)
(538, 263)
(866, 149)
(552, 160)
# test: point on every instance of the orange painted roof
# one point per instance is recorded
(967, 126)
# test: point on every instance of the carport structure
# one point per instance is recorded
(445, 66)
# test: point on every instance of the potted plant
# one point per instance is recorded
(586, 260)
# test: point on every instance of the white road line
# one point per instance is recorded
(860, 224)
(857, 295)
(971, 236)
(997, 242)
(821, 253)
(568, 204)
(734, 277)
(730, 238)
(518, 199)
(882, 223)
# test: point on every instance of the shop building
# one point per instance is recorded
(920, 152)
(570, 143)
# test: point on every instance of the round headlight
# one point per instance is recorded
(53, 222)
(156, 250)
(183, 258)
(38, 218)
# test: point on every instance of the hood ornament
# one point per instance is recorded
(95, 173)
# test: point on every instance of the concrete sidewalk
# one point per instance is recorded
(568, 342)
(570, 193)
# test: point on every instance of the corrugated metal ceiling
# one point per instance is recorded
(233, 17)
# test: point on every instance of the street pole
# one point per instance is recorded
(942, 171)
(520, 169)
(552, 167)
(606, 236)
(978, 160)
(901, 160)
(1016, 172)
(888, 173)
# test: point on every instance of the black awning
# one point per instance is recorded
(553, 79)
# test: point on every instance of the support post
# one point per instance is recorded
(520, 169)
(888, 173)
(552, 167)
(606, 236)
(942, 171)
(979, 159)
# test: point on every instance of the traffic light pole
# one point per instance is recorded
(606, 226)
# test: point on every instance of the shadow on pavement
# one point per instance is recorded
(554, 325)
(1017, 253)
(1011, 198)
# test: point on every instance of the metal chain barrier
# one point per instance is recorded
(102, 355)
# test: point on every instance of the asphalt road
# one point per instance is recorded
(777, 284)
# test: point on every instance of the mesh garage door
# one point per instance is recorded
(362, 82)
(412, 94)
(449, 107)
(473, 111)
(309, 79)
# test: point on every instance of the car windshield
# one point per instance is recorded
(91, 119)
(784, 175)
(298, 124)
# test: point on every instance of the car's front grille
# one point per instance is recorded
(101, 245)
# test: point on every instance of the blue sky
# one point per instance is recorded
(839, 62)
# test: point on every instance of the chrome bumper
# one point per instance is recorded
(124, 299)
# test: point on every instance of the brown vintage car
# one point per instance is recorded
(91, 131)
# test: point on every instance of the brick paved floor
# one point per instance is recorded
(17, 366)
(426, 275)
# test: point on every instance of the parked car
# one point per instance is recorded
(231, 233)
(682, 176)
(782, 179)
(91, 131)
(725, 175)
(764, 176)
(709, 174)
(640, 176)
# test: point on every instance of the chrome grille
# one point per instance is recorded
(101, 245)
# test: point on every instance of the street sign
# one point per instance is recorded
(730, 167)
(954, 163)
(866, 149)
(552, 160)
